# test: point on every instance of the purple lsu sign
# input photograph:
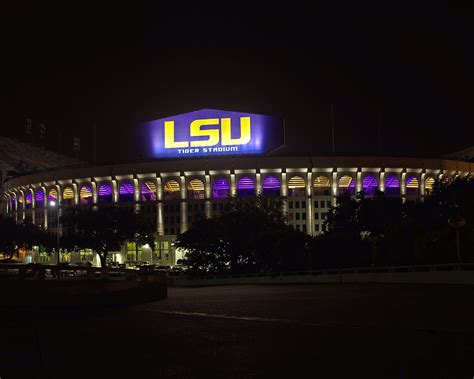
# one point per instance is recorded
(210, 132)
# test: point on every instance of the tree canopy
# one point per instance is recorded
(250, 235)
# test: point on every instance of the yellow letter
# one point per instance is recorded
(169, 137)
(213, 134)
(244, 132)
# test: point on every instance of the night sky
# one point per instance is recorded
(117, 66)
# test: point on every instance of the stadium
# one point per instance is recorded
(174, 189)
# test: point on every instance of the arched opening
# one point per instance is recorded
(296, 186)
(105, 193)
(52, 195)
(245, 186)
(85, 195)
(429, 185)
(20, 202)
(271, 186)
(148, 191)
(346, 185)
(39, 199)
(171, 190)
(28, 200)
(322, 186)
(68, 196)
(196, 189)
(369, 185)
(12, 204)
(126, 193)
(220, 188)
(412, 186)
(392, 186)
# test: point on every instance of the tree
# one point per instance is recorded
(104, 229)
(251, 234)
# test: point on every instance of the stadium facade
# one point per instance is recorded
(175, 191)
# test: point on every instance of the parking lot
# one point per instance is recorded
(252, 331)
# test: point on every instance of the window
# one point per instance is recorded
(177, 218)
(171, 219)
(324, 215)
(303, 216)
(297, 204)
(303, 204)
(316, 204)
(297, 227)
(317, 227)
(304, 228)
(322, 204)
(165, 208)
(166, 230)
(297, 216)
(290, 216)
(190, 207)
(328, 203)
(196, 207)
(316, 216)
(171, 230)
(290, 204)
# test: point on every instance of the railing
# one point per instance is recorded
(354, 270)
(42, 271)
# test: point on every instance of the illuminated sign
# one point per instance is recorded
(213, 132)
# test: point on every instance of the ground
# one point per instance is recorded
(252, 331)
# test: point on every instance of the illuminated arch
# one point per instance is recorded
(68, 196)
(126, 192)
(196, 189)
(392, 186)
(429, 185)
(296, 186)
(220, 188)
(148, 191)
(369, 185)
(85, 195)
(39, 198)
(105, 194)
(171, 190)
(245, 186)
(20, 202)
(52, 195)
(322, 186)
(347, 185)
(412, 186)
(28, 200)
(271, 186)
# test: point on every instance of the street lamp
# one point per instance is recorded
(53, 204)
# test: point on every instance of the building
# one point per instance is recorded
(174, 190)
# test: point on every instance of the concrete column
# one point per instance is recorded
(334, 187)
(159, 219)
(207, 194)
(422, 184)
(309, 204)
(382, 180)
(136, 190)
(183, 210)
(76, 193)
(115, 191)
(159, 189)
(358, 180)
(258, 183)
(284, 192)
(403, 188)
(233, 188)
(95, 195)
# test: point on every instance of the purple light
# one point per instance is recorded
(40, 196)
(105, 193)
(29, 198)
(126, 192)
(271, 186)
(369, 184)
(126, 189)
(245, 186)
(220, 188)
(147, 193)
(53, 195)
(392, 182)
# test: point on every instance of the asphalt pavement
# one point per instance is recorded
(252, 331)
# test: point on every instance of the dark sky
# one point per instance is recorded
(119, 65)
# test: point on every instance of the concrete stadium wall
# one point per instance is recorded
(440, 277)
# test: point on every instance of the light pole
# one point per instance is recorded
(53, 205)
